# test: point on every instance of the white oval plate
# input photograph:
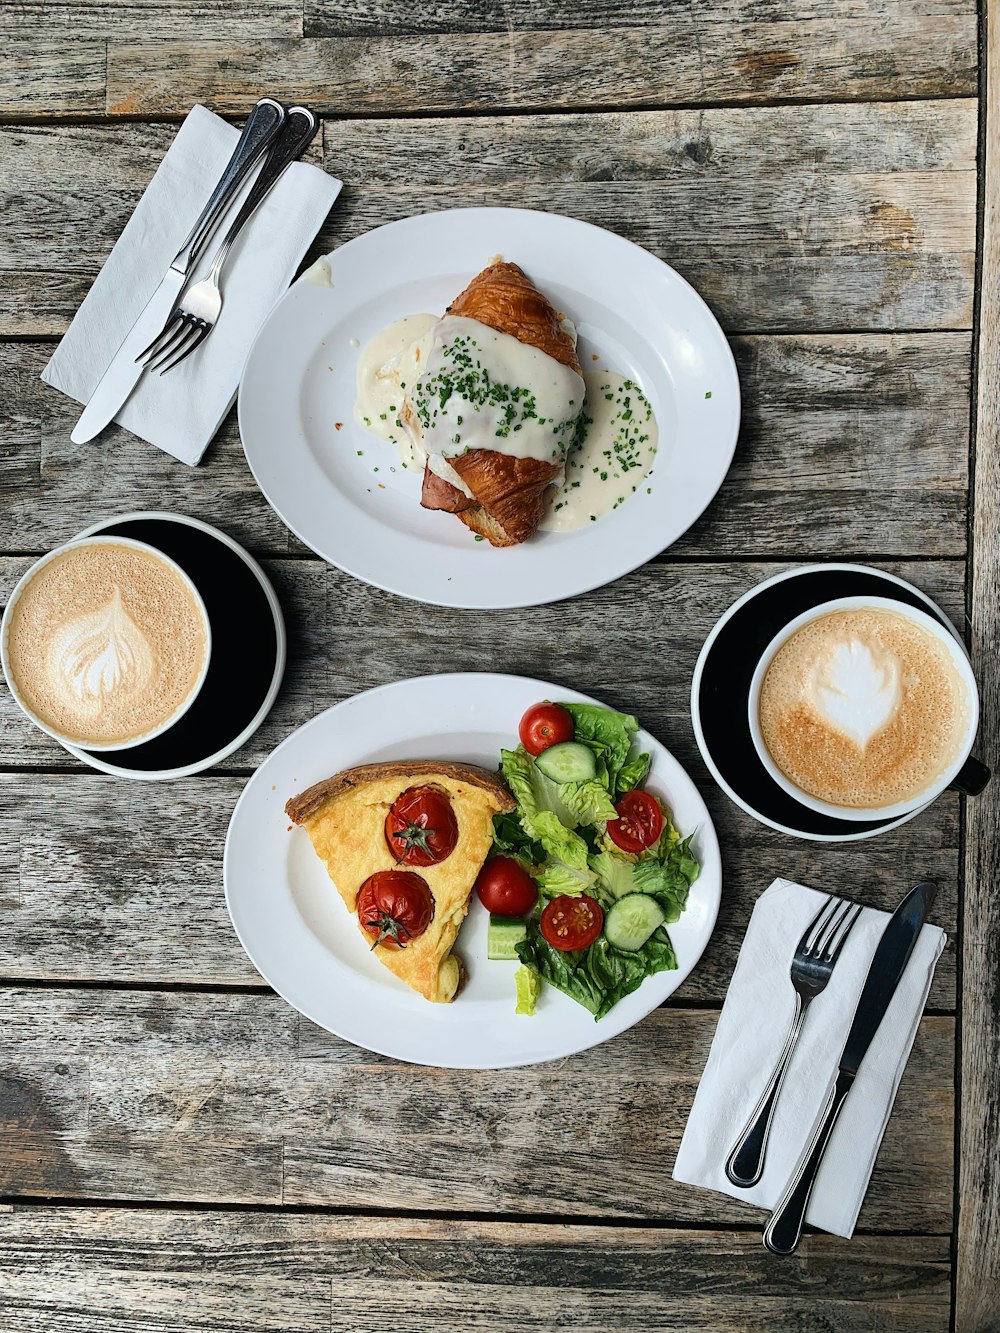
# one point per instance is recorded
(302, 940)
(639, 316)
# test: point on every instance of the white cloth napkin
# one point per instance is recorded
(181, 411)
(752, 1029)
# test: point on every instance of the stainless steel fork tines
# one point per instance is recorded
(197, 310)
(812, 965)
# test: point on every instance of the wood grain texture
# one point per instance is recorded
(836, 232)
(977, 1277)
(868, 434)
(234, 1098)
(848, 59)
(234, 1272)
(344, 17)
(49, 76)
(130, 20)
(76, 909)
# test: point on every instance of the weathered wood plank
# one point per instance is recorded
(866, 433)
(344, 17)
(848, 59)
(49, 76)
(75, 909)
(133, 20)
(977, 1276)
(817, 217)
(729, 142)
(87, 1269)
(180, 1085)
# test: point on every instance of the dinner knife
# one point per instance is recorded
(122, 375)
(783, 1231)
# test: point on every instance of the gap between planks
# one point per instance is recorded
(43, 1203)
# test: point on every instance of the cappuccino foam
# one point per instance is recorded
(863, 708)
(106, 643)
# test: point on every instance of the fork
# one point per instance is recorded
(197, 310)
(813, 962)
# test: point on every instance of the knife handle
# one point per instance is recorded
(259, 132)
(296, 135)
(784, 1230)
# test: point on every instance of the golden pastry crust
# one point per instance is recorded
(504, 297)
(299, 808)
(344, 816)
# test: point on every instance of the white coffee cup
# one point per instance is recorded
(8, 672)
(976, 775)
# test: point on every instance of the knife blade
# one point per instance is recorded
(122, 375)
(783, 1231)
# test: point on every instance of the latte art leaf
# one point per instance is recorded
(857, 689)
(99, 654)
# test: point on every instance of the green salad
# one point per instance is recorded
(587, 874)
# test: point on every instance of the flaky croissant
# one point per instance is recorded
(509, 493)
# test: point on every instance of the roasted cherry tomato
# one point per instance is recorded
(394, 907)
(570, 923)
(639, 823)
(505, 889)
(544, 725)
(421, 828)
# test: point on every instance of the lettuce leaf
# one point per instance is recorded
(599, 976)
(555, 878)
(608, 734)
(665, 874)
(588, 801)
(510, 839)
(538, 819)
(527, 987)
(632, 774)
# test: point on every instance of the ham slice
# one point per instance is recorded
(436, 493)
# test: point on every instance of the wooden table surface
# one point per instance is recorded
(179, 1150)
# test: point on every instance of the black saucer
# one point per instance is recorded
(721, 688)
(248, 649)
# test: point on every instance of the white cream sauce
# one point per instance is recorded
(438, 387)
(318, 274)
(613, 453)
(388, 364)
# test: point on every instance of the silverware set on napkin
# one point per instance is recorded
(190, 313)
(812, 966)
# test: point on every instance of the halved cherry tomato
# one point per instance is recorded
(394, 907)
(570, 923)
(421, 828)
(544, 725)
(505, 888)
(639, 823)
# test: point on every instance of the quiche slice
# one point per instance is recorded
(346, 818)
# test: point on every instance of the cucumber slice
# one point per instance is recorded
(503, 934)
(631, 920)
(567, 762)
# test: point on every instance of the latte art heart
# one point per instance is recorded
(862, 707)
(98, 653)
(107, 642)
(856, 689)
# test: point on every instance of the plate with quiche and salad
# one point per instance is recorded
(472, 871)
(489, 407)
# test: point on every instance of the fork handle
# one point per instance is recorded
(784, 1230)
(259, 132)
(746, 1161)
(296, 134)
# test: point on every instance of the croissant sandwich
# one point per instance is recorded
(495, 406)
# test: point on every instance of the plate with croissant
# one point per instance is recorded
(489, 407)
